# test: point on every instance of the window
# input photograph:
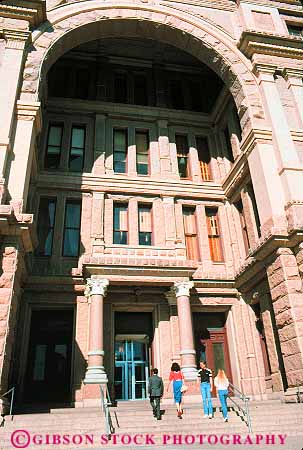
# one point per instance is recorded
(46, 223)
(295, 30)
(71, 234)
(145, 224)
(120, 150)
(53, 149)
(214, 237)
(204, 158)
(120, 88)
(190, 231)
(120, 224)
(142, 152)
(239, 206)
(176, 94)
(228, 146)
(195, 95)
(140, 90)
(182, 155)
(77, 147)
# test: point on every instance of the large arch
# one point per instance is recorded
(75, 23)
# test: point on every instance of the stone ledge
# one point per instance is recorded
(34, 11)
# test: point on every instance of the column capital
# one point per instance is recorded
(182, 288)
(96, 286)
(16, 39)
(265, 72)
(293, 76)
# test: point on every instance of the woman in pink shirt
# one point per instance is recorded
(176, 376)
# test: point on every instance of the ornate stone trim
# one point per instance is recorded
(182, 288)
(29, 111)
(15, 39)
(34, 11)
(96, 286)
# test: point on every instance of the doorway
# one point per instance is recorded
(131, 368)
(132, 355)
(211, 341)
(48, 372)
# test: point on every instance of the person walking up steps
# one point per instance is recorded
(176, 376)
(206, 386)
(155, 390)
(221, 382)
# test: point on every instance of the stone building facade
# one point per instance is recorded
(151, 202)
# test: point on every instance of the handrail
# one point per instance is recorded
(245, 408)
(12, 390)
(105, 403)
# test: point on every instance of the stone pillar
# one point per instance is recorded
(294, 79)
(96, 290)
(27, 127)
(97, 222)
(99, 145)
(287, 296)
(164, 150)
(187, 348)
(286, 154)
(170, 222)
(15, 42)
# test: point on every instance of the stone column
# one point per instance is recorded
(287, 296)
(15, 42)
(96, 290)
(164, 150)
(286, 154)
(294, 79)
(187, 348)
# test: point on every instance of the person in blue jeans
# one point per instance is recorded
(206, 385)
(222, 383)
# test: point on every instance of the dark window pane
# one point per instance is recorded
(144, 238)
(182, 155)
(140, 88)
(195, 95)
(295, 30)
(229, 149)
(53, 149)
(120, 224)
(142, 152)
(120, 88)
(82, 83)
(120, 150)
(176, 94)
(72, 228)
(76, 156)
(46, 221)
(120, 237)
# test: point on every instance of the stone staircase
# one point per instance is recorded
(85, 427)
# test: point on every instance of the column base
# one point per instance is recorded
(291, 395)
(189, 372)
(95, 375)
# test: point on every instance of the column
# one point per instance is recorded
(170, 222)
(286, 154)
(187, 348)
(294, 79)
(97, 222)
(99, 145)
(164, 150)
(27, 127)
(96, 291)
(9, 81)
(287, 296)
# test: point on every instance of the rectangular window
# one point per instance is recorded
(228, 146)
(77, 148)
(120, 224)
(120, 150)
(71, 234)
(142, 152)
(182, 155)
(145, 224)
(190, 231)
(140, 90)
(204, 158)
(54, 143)
(214, 237)
(176, 94)
(120, 88)
(295, 30)
(239, 206)
(46, 224)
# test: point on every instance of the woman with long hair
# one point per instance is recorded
(176, 376)
(221, 382)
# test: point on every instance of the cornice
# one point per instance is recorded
(34, 11)
(16, 39)
(256, 42)
(21, 225)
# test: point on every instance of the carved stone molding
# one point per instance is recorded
(29, 111)
(15, 39)
(96, 286)
(33, 11)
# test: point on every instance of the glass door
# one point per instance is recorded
(131, 370)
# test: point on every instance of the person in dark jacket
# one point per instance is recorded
(155, 391)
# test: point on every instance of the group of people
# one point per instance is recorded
(204, 378)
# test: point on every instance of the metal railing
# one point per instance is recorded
(105, 403)
(11, 390)
(242, 408)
